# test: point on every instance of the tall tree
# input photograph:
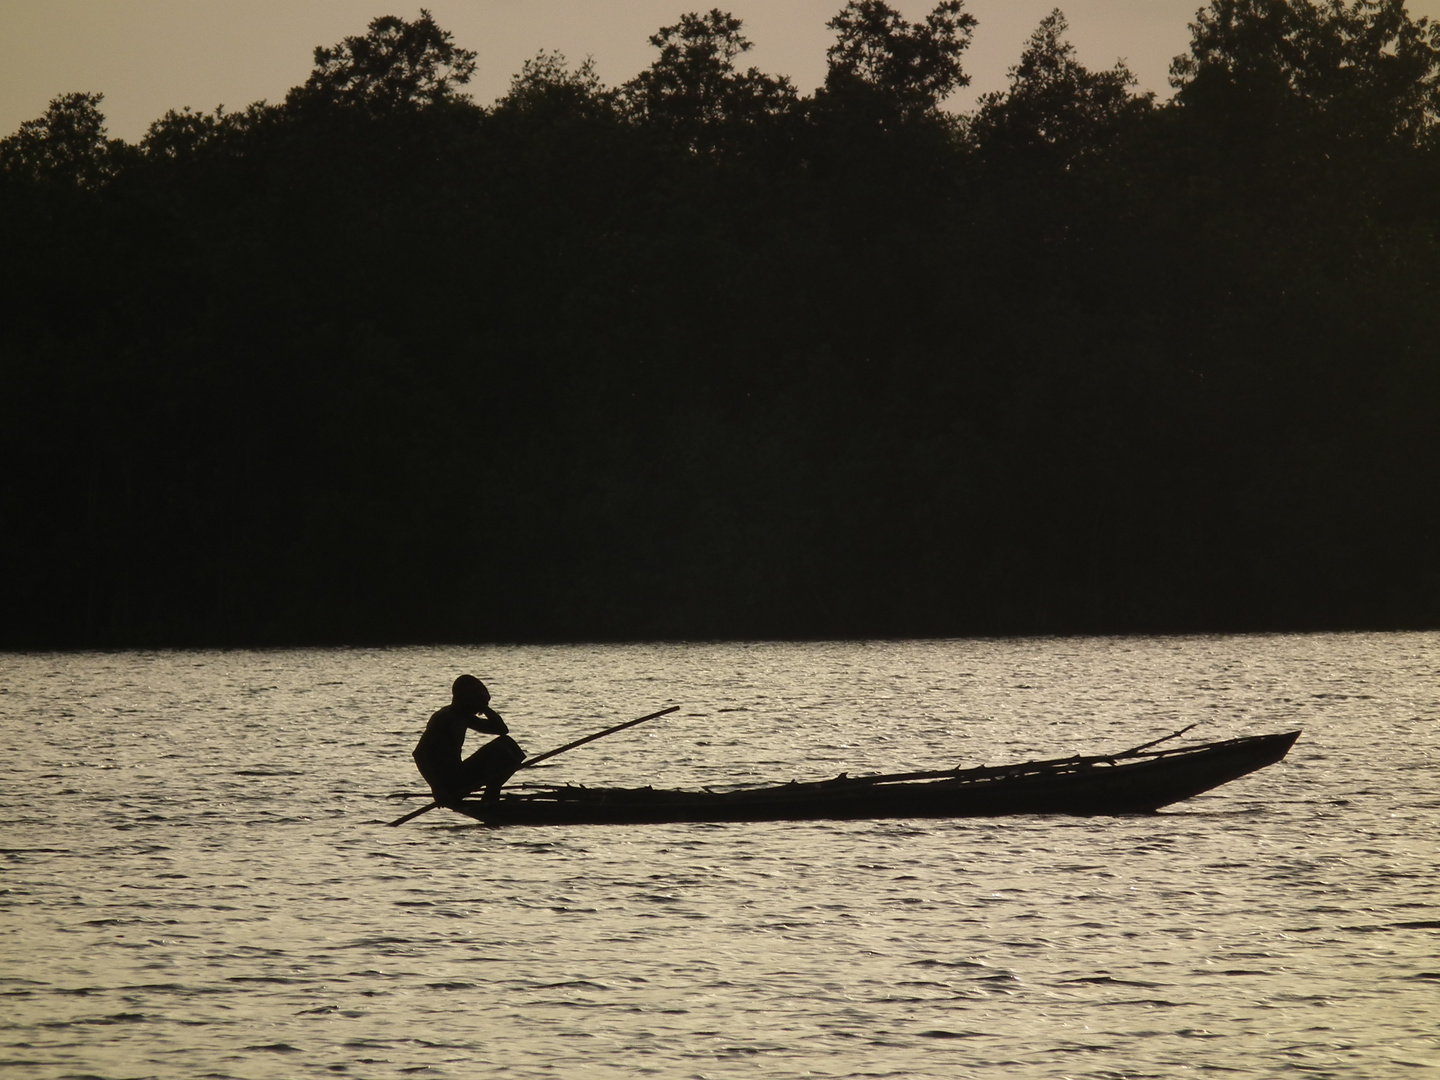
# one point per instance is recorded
(694, 91)
(1055, 111)
(548, 86)
(893, 70)
(396, 65)
(1364, 69)
(67, 145)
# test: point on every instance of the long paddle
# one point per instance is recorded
(551, 753)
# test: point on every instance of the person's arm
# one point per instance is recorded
(489, 722)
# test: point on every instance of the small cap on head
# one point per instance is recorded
(468, 688)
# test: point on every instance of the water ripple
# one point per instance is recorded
(196, 883)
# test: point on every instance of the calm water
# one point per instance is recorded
(197, 881)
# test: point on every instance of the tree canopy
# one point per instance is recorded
(1363, 70)
(395, 65)
(896, 69)
(704, 354)
(1055, 109)
(66, 147)
(693, 91)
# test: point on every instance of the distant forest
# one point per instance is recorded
(705, 356)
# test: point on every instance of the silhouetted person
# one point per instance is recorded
(438, 752)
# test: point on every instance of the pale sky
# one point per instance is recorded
(147, 56)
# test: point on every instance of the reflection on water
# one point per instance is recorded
(197, 881)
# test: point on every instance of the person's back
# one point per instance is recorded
(438, 753)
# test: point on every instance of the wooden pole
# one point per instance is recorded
(551, 753)
(414, 814)
(598, 735)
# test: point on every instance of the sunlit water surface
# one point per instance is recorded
(198, 881)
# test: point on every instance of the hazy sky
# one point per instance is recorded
(147, 56)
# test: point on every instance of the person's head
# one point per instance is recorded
(469, 693)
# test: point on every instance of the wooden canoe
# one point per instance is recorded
(1136, 781)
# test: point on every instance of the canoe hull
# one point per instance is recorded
(1086, 786)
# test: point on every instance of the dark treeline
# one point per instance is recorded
(705, 356)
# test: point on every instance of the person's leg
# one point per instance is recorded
(491, 765)
(447, 785)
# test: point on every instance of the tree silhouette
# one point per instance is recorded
(547, 86)
(66, 146)
(396, 65)
(183, 133)
(701, 357)
(694, 93)
(1055, 111)
(892, 70)
(1364, 70)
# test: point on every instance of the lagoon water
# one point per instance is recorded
(198, 882)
